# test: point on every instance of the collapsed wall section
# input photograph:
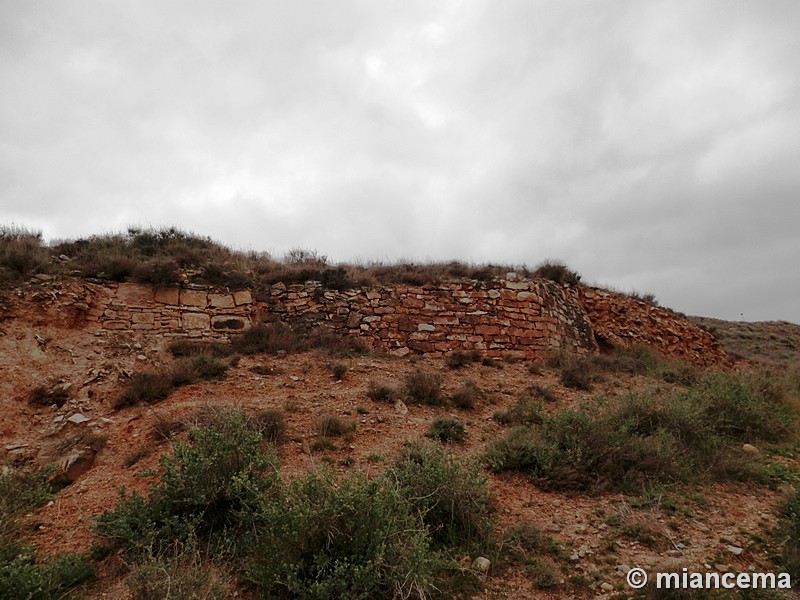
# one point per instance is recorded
(622, 321)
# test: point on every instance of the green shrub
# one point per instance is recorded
(206, 485)
(317, 537)
(382, 393)
(527, 410)
(447, 430)
(789, 535)
(355, 538)
(452, 498)
(23, 576)
(425, 388)
(640, 439)
(22, 573)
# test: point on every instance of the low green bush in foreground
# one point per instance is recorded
(395, 535)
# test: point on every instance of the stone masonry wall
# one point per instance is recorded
(525, 319)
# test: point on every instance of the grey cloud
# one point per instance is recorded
(651, 145)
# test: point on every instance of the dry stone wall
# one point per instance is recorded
(522, 318)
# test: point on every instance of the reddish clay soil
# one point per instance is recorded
(696, 536)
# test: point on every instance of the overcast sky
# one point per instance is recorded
(651, 145)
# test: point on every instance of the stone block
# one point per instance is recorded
(425, 327)
(221, 300)
(242, 297)
(143, 317)
(116, 325)
(168, 296)
(134, 293)
(191, 320)
(487, 330)
(195, 298)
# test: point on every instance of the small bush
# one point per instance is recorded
(540, 393)
(46, 395)
(194, 368)
(331, 426)
(271, 424)
(152, 387)
(467, 396)
(338, 371)
(558, 272)
(22, 573)
(181, 573)
(527, 410)
(789, 532)
(487, 361)
(382, 393)
(158, 271)
(144, 387)
(22, 253)
(459, 358)
(268, 339)
(447, 431)
(579, 375)
(425, 388)
(191, 498)
(352, 538)
(638, 440)
(451, 497)
(186, 348)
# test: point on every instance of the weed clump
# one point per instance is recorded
(459, 358)
(382, 393)
(331, 426)
(47, 395)
(447, 431)
(148, 387)
(558, 272)
(467, 396)
(425, 388)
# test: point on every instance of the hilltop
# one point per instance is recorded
(622, 435)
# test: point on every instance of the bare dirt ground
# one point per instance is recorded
(696, 534)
